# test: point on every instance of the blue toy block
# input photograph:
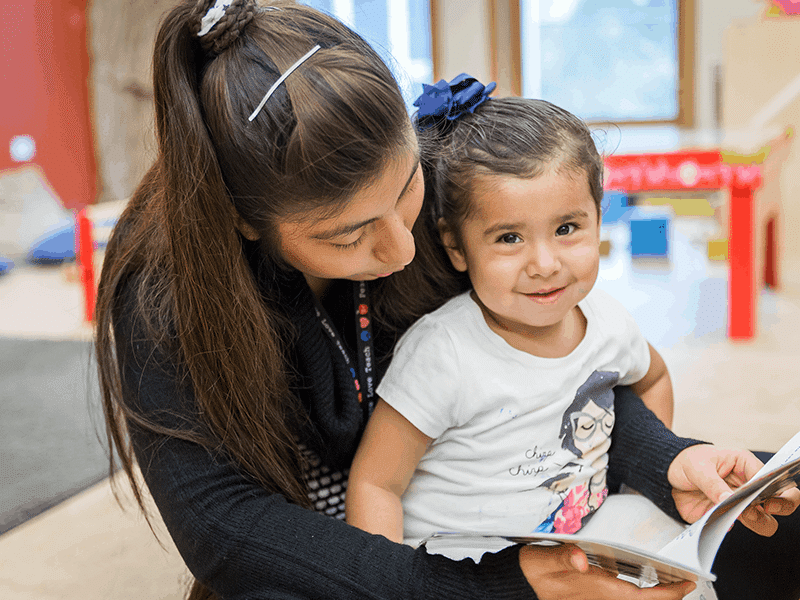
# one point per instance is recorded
(5, 265)
(649, 234)
(616, 208)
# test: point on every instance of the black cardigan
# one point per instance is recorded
(246, 543)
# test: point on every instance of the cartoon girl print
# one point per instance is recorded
(586, 432)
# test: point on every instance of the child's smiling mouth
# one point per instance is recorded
(548, 296)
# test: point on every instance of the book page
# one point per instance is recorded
(637, 565)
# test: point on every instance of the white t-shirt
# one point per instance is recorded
(520, 441)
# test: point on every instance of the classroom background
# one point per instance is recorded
(695, 104)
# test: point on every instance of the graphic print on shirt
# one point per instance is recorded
(586, 432)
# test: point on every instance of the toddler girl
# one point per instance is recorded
(497, 410)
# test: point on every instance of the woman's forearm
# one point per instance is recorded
(642, 449)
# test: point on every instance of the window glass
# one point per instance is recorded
(398, 29)
(604, 60)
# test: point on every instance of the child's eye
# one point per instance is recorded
(566, 229)
(509, 238)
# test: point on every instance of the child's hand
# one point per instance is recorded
(563, 573)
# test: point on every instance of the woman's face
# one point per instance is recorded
(370, 238)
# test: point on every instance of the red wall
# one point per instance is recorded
(44, 72)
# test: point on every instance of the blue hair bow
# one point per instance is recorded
(450, 100)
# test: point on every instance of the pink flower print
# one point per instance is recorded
(364, 321)
(599, 497)
(790, 7)
(574, 509)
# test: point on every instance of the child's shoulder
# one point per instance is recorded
(602, 302)
(451, 312)
(606, 310)
(444, 322)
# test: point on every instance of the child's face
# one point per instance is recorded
(531, 248)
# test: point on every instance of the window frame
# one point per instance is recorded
(505, 55)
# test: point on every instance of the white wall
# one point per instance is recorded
(713, 17)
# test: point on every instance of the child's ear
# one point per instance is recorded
(451, 246)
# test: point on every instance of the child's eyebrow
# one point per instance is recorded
(575, 214)
(518, 225)
(503, 227)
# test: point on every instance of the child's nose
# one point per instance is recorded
(543, 261)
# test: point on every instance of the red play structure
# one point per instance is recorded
(706, 171)
(45, 99)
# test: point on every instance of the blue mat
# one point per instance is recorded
(57, 244)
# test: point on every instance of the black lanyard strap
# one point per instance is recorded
(364, 372)
(366, 354)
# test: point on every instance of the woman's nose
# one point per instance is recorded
(543, 261)
(395, 244)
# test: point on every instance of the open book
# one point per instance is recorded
(689, 556)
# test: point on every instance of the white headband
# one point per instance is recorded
(214, 14)
(281, 79)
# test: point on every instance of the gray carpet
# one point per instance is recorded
(50, 420)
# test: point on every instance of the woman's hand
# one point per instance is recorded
(563, 573)
(703, 475)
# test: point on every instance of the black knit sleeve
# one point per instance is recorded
(642, 449)
(244, 542)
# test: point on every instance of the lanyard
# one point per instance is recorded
(364, 373)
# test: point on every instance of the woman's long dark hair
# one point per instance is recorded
(176, 256)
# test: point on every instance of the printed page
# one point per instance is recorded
(697, 546)
(789, 452)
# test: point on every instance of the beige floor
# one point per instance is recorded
(89, 547)
(741, 394)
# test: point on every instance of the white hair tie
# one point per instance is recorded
(281, 79)
(212, 17)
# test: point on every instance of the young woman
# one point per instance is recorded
(239, 337)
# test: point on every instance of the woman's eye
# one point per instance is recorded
(349, 245)
(566, 229)
(510, 238)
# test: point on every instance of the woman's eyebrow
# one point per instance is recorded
(341, 230)
(410, 178)
(349, 228)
